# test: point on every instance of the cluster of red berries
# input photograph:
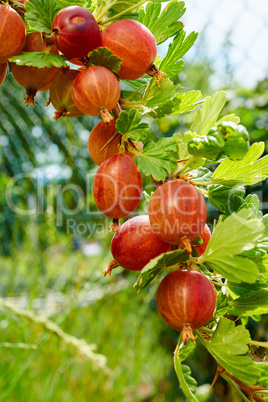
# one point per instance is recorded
(177, 211)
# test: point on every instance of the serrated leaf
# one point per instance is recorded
(209, 146)
(187, 383)
(229, 117)
(67, 3)
(182, 142)
(164, 110)
(186, 350)
(191, 382)
(220, 196)
(157, 95)
(185, 102)
(104, 57)
(149, 272)
(171, 63)
(222, 252)
(40, 14)
(255, 304)
(129, 122)
(206, 118)
(39, 59)
(201, 175)
(165, 24)
(156, 159)
(247, 171)
(227, 345)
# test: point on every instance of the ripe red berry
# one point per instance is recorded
(60, 94)
(96, 90)
(117, 187)
(186, 301)
(99, 136)
(133, 43)
(75, 31)
(205, 235)
(34, 79)
(177, 212)
(135, 244)
(3, 71)
(12, 33)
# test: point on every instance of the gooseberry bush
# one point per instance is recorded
(100, 58)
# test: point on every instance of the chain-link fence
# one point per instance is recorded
(233, 39)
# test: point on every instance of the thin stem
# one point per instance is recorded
(205, 192)
(115, 17)
(203, 183)
(217, 283)
(209, 331)
(258, 343)
(178, 368)
(186, 165)
(135, 92)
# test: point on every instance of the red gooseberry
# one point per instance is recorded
(135, 244)
(75, 31)
(34, 79)
(12, 33)
(99, 136)
(117, 187)
(177, 213)
(96, 90)
(186, 301)
(60, 94)
(133, 43)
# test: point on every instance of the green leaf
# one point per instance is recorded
(185, 102)
(40, 14)
(229, 117)
(157, 95)
(171, 63)
(209, 146)
(163, 261)
(206, 118)
(248, 171)
(191, 382)
(39, 59)
(256, 303)
(129, 122)
(182, 142)
(220, 196)
(186, 350)
(227, 345)
(66, 3)
(166, 24)
(223, 249)
(157, 159)
(222, 305)
(104, 57)
(201, 174)
(164, 110)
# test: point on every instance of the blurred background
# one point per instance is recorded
(67, 333)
